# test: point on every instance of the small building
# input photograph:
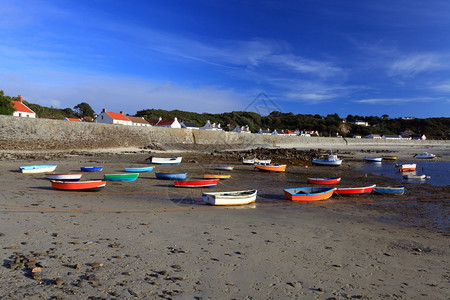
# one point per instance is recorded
(373, 136)
(289, 132)
(138, 121)
(189, 125)
(108, 117)
(265, 131)
(21, 109)
(242, 129)
(213, 126)
(73, 119)
(360, 123)
(392, 137)
(275, 132)
(166, 123)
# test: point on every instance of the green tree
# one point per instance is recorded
(83, 110)
(6, 107)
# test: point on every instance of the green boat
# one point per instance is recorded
(122, 177)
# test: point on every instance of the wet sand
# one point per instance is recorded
(148, 239)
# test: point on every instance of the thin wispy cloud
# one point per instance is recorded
(418, 63)
(396, 100)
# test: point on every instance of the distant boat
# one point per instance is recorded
(92, 169)
(224, 168)
(389, 190)
(37, 169)
(139, 170)
(171, 176)
(122, 177)
(415, 177)
(166, 161)
(216, 176)
(271, 167)
(425, 155)
(324, 180)
(354, 190)
(254, 161)
(387, 157)
(230, 198)
(373, 159)
(332, 160)
(406, 167)
(309, 193)
(78, 185)
(197, 183)
(63, 176)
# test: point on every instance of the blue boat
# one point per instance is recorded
(139, 170)
(389, 190)
(92, 169)
(171, 176)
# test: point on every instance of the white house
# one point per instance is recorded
(138, 121)
(392, 137)
(209, 126)
(112, 118)
(242, 129)
(21, 109)
(166, 123)
(265, 131)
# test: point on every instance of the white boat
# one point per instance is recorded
(415, 177)
(224, 168)
(166, 161)
(63, 176)
(332, 160)
(254, 161)
(406, 167)
(37, 169)
(230, 198)
(425, 155)
(373, 159)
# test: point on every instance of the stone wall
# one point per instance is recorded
(45, 134)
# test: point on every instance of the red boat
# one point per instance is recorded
(354, 190)
(197, 184)
(324, 180)
(78, 185)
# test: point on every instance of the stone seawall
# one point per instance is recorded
(45, 134)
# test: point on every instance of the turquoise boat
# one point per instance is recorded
(139, 170)
(122, 177)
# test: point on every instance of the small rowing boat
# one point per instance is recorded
(63, 176)
(166, 161)
(171, 176)
(387, 157)
(78, 185)
(224, 168)
(332, 160)
(415, 177)
(406, 167)
(324, 180)
(37, 169)
(373, 159)
(92, 169)
(139, 170)
(271, 167)
(389, 190)
(230, 198)
(309, 193)
(122, 177)
(425, 155)
(216, 176)
(354, 190)
(209, 183)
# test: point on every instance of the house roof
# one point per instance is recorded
(137, 120)
(189, 124)
(117, 116)
(19, 106)
(164, 122)
(73, 119)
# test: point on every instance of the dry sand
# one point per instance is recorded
(147, 239)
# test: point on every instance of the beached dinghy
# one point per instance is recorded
(166, 161)
(254, 161)
(139, 170)
(373, 159)
(425, 155)
(332, 160)
(92, 169)
(271, 167)
(389, 190)
(230, 198)
(122, 177)
(209, 183)
(78, 185)
(216, 176)
(63, 176)
(406, 167)
(171, 176)
(224, 168)
(309, 193)
(389, 157)
(354, 190)
(37, 169)
(324, 180)
(415, 177)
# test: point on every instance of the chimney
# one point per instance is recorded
(121, 112)
(19, 98)
(104, 110)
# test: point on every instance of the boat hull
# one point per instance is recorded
(139, 170)
(37, 169)
(324, 180)
(197, 183)
(406, 167)
(224, 168)
(63, 176)
(309, 193)
(166, 161)
(354, 190)
(216, 176)
(389, 157)
(325, 162)
(92, 169)
(271, 168)
(122, 177)
(389, 190)
(373, 159)
(79, 185)
(230, 198)
(414, 177)
(171, 176)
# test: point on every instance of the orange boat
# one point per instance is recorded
(78, 185)
(271, 168)
(408, 167)
(309, 193)
(216, 176)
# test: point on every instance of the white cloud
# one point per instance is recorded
(396, 100)
(426, 62)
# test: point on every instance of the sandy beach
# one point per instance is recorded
(147, 239)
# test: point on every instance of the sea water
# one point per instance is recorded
(438, 171)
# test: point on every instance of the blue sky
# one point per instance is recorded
(366, 58)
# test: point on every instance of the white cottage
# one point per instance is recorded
(21, 110)
(108, 117)
(167, 123)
